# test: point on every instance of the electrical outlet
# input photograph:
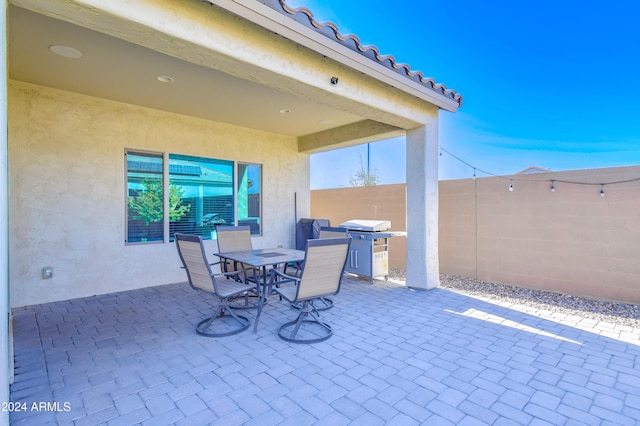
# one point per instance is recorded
(47, 272)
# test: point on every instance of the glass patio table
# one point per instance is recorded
(261, 259)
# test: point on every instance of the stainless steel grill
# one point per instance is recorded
(366, 225)
(369, 251)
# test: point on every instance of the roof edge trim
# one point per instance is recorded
(370, 51)
(273, 16)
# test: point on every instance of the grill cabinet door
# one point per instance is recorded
(359, 260)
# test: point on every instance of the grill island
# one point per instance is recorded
(369, 250)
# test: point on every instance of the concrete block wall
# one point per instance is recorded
(571, 240)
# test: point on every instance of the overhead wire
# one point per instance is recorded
(553, 181)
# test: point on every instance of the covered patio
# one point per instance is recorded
(108, 102)
(112, 106)
(398, 356)
(103, 328)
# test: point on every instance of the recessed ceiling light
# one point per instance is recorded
(165, 79)
(285, 111)
(66, 51)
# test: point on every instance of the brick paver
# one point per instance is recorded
(397, 356)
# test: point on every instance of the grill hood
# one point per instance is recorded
(366, 225)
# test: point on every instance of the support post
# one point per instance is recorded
(423, 271)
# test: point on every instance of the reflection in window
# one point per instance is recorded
(145, 211)
(249, 200)
(200, 195)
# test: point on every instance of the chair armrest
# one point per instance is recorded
(276, 272)
(284, 279)
(234, 274)
(297, 269)
(286, 291)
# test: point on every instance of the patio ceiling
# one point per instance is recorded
(115, 69)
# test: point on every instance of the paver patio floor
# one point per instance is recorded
(397, 356)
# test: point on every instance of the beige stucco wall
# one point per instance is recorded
(381, 202)
(572, 240)
(67, 190)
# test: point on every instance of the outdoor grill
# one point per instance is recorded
(369, 251)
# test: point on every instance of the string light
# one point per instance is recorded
(553, 181)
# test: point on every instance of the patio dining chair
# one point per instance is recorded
(194, 260)
(321, 275)
(323, 303)
(237, 238)
(329, 232)
(233, 238)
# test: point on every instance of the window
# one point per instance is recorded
(249, 199)
(199, 194)
(145, 194)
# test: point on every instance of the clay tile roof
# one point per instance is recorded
(328, 29)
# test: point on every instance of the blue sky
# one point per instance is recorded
(555, 84)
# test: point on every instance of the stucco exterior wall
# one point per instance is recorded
(67, 190)
(572, 240)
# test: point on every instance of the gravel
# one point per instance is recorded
(612, 312)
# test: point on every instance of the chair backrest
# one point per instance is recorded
(327, 232)
(233, 238)
(324, 264)
(191, 251)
